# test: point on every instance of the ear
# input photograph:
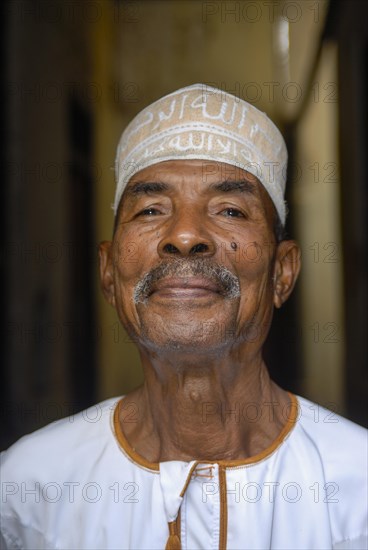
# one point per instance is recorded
(106, 272)
(287, 267)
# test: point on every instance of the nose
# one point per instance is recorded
(186, 236)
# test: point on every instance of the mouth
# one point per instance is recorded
(202, 280)
(185, 287)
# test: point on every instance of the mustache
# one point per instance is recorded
(228, 283)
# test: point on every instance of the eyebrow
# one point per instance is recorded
(229, 186)
(146, 187)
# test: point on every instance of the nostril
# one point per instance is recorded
(171, 249)
(200, 247)
(186, 249)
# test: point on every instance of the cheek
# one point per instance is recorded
(253, 259)
(128, 268)
(254, 272)
(127, 252)
(130, 254)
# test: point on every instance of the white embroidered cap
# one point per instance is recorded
(201, 122)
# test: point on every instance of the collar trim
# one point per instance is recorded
(155, 466)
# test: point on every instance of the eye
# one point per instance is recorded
(149, 212)
(232, 213)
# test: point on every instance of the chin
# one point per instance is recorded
(195, 343)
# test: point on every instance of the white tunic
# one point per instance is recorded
(76, 484)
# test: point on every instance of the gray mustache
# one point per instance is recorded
(182, 267)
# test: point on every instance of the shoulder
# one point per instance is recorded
(331, 432)
(341, 445)
(334, 451)
(50, 448)
(51, 478)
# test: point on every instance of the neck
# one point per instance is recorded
(219, 409)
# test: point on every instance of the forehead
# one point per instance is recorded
(200, 171)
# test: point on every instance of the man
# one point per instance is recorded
(209, 452)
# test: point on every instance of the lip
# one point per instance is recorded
(183, 287)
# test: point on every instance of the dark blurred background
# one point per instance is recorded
(75, 73)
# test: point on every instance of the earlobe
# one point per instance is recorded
(106, 272)
(287, 267)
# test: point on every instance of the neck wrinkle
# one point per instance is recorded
(208, 418)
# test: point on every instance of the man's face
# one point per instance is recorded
(193, 257)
